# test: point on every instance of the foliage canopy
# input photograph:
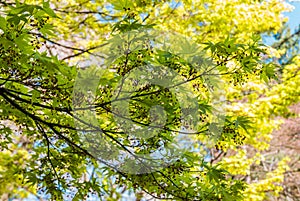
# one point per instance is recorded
(163, 65)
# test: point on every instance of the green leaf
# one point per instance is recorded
(48, 10)
(17, 10)
(2, 23)
(47, 30)
(35, 95)
(243, 122)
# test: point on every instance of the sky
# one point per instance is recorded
(294, 16)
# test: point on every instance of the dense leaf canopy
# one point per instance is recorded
(154, 99)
